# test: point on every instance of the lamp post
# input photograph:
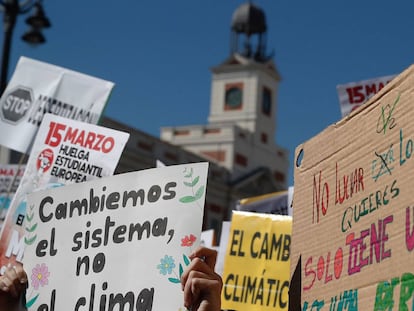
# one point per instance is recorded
(11, 10)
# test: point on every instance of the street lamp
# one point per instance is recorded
(11, 9)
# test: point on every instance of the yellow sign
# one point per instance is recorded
(257, 262)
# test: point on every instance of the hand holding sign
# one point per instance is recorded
(201, 285)
(12, 285)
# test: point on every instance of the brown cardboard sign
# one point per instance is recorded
(353, 207)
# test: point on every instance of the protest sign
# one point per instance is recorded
(222, 247)
(10, 175)
(354, 94)
(208, 238)
(65, 151)
(271, 203)
(353, 214)
(37, 88)
(257, 262)
(116, 243)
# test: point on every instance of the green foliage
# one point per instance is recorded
(31, 301)
(186, 260)
(189, 174)
(174, 280)
(30, 228)
(30, 241)
(181, 270)
(191, 184)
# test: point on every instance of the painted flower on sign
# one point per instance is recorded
(167, 265)
(40, 275)
(188, 240)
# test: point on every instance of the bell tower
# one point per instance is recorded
(249, 23)
(244, 86)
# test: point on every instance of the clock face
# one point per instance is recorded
(234, 97)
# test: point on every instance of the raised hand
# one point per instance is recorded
(201, 285)
(13, 284)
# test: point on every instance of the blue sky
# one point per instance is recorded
(159, 55)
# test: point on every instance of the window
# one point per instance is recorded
(267, 101)
(241, 159)
(216, 155)
(212, 131)
(181, 132)
(280, 177)
(263, 137)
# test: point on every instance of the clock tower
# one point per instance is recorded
(240, 134)
(244, 87)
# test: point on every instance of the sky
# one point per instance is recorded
(159, 55)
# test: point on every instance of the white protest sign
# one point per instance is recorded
(208, 238)
(354, 94)
(65, 151)
(116, 243)
(37, 88)
(221, 251)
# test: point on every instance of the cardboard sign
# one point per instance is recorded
(65, 151)
(116, 243)
(353, 207)
(354, 94)
(257, 262)
(10, 176)
(37, 88)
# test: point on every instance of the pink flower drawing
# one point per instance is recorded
(40, 275)
(188, 240)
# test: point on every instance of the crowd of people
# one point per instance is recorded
(200, 283)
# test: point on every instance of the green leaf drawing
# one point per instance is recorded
(199, 193)
(30, 241)
(29, 217)
(190, 173)
(187, 199)
(193, 183)
(31, 301)
(174, 280)
(181, 270)
(32, 228)
(186, 260)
